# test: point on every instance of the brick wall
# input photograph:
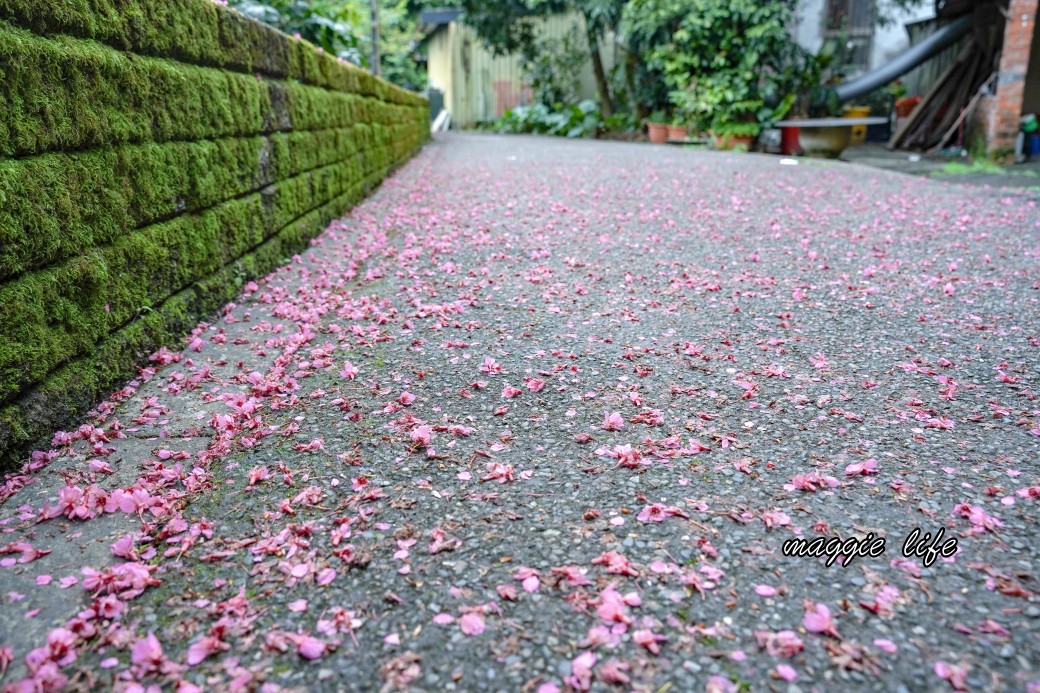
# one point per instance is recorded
(153, 158)
(1001, 119)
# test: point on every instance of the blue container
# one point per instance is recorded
(1032, 144)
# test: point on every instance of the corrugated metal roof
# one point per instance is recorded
(430, 20)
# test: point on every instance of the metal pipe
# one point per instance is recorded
(907, 61)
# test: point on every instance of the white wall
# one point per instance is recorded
(808, 28)
(889, 41)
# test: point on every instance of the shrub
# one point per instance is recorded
(580, 120)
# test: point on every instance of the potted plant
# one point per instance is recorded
(677, 130)
(735, 135)
(802, 88)
(713, 56)
(689, 113)
(734, 121)
(657, 128)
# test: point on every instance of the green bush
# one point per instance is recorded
(715, 57)
(581, 120)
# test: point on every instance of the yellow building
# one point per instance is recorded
(479, 86)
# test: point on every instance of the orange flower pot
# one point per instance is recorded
(658, 133)
(734, 141)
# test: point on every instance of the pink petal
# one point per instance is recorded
(885, 645)
(472, 624)
(198, 652)
(310, 647)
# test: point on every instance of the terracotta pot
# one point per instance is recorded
(658, 132)
(733, 141)
(677, 132)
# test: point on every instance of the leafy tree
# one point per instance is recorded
(713, 56)
(328, 24)
(554, 70)
(343, 28)
(399, 39)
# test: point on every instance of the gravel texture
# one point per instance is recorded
(541, 415)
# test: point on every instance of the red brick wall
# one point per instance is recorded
(1002, 118)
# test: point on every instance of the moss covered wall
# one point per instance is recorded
(154, 156)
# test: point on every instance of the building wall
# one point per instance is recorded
(808, 24)
(893, 39)
(1003, 124)
(153, 158)
(480, 86)
(1031, 96)
(888, 42)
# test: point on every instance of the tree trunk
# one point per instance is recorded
(374, 9)
(631, 60)
(606, 105)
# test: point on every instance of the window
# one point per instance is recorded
(853, 21)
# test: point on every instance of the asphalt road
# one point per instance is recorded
(543, 415)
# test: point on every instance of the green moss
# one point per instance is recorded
(74, 388)
(64, 94)
(197, 32)
(59, 312)
(146, 172)
(57, 205)
(190, 30)
(71, 94)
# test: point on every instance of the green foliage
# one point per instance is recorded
(714, 57)
(509, 26)
(553, 69)
(747, 129)
(580, 120)
(325, 23)
(957, 168)
(624, 121)
(343, 28)
(399, 40)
